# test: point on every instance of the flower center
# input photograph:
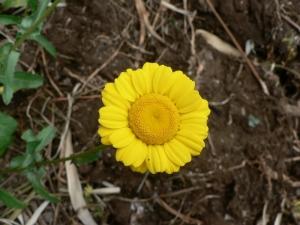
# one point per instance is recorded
(154, 119)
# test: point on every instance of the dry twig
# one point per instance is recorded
(71, 74)
(290, 21)
(175, 9)
(101, 67)
(48, 74)
(201, 200)
(141, 9)
(261, 82)
(231, 96)
(185, 218)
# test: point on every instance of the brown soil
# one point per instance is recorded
(244, 169)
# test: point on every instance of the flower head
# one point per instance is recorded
(154, 117)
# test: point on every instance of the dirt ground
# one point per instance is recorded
(249, 171)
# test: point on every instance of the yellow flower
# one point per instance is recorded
(154, 117)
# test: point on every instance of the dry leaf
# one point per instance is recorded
(37, 213)
(74, 187)
(218, 43)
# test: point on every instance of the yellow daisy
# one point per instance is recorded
(154, 117)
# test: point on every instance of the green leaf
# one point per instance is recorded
(45, 43)
(14, 3)
(41, 9)
(27, 159)
(5, 142)
(10, 200)
(4, 50)
(87, 159)
(46, 135)
(9, 70)
(8, 126)
(29, 156)
(33, 145)
(28, 136)
(36, 180)
(33, 4)
(8, 20)
(26, 23)
(42, 138)
(24, 80)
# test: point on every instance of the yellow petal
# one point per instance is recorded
(149, 70)
(142, 168)
(188, 102)
(151, 158)
(193, 142)
(162, 80)
(103, 131)
(193, 121)
(112, 112)
(193, 117)
(119, 154)
(177, 152)
(104, 134)
(110, 88)
(105, 140)
(142, 148)
(156, 159)
(201, 130)
(113, 124)
(130, 154)
(141, 82)
(113, 117)
(125, 87)
(171, 168)
(181, 85)
(111, 97)
(121, 137)
(163, 158)
(203, 108)
(201, 113)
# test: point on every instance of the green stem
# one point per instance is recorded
(26, 10)
(55, 161)
(35, 25)
(74, 156)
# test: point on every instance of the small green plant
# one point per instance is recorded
(31, 164)
(29, 28)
